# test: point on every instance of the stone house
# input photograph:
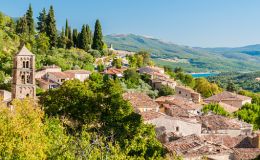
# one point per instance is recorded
(47, 69)
(188, 93)
(178, 106)
(177, 127)
(159, 82)
(52, 77)
(114, 72)
(46, 84)
(141, 102)
(59, 77)
(81, 75)
(229, 98)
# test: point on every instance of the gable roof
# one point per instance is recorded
(140, 100)
(24, 52)
(227, 96)
(246, 153)
(61, 75)
(179, 101)
(218, 122)
(81, 71)
(240, 141)
(114, 71)
(193, 145)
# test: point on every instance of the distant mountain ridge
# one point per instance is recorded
(200, 59)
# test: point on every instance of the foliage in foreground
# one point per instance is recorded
(250, 113)
(25, 133)
(215, 108)
(98, 103)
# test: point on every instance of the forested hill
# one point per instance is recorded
(191, 59)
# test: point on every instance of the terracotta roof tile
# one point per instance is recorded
(217, 122)
(78, 71)
(140, 100)
(61, 75)
(246, 153)
(227, 96)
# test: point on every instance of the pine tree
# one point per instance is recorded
(51, 28)
(30, 20)
(83, 42)
(97, 39)
(42, 21)
(75, 37)
(89, 35)
(67, 28)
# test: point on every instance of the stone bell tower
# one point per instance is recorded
(23, 84)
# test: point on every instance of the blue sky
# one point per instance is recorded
(204, 23)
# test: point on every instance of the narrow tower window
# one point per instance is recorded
(28, 79)
(23, 79)
(27, 64)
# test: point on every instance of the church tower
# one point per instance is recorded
(23, 84)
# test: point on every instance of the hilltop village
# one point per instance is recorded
(178, 119)
(69, 95)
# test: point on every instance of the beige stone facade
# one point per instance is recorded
(188, 93)
(23, 84)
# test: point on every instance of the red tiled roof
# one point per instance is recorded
(114, 71)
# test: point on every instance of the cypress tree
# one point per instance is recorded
(42, 21)
(51, 28)
(89, 35)
(30, 20)
(69, 39)
(97, 39)
(83, 42)
(67, 28)
(75, 37)
(21, 26)
(62, 40)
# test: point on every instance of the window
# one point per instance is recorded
(24, 64)
(179, 92)
(28, 79)
(27, 64)
(177, 129)
(23, 79)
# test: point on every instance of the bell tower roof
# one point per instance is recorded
(24, 52)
